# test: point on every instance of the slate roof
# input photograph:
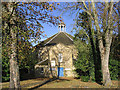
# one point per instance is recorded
(60, 37)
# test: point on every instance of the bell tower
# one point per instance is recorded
(61, 27)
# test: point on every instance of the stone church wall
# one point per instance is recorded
(51, 53)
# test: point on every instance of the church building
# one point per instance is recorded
(56, 55)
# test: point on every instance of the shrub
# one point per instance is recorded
(5, 67)
(85, 78)
(114, 67)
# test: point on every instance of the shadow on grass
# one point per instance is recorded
(48, 81)
(100, 83)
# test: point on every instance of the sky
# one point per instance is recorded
(50, 29)
(68, 19)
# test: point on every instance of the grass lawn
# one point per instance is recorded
(61, 83)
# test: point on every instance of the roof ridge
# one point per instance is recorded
(68, 37)
(51, 39)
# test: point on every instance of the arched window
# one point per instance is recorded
(60, 57)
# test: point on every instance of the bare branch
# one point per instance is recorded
(85, 5)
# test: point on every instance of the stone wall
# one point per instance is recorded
(51, 53)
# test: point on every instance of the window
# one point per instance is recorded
(53, 69)
(52, 63)
(60, 57)
(41, 70)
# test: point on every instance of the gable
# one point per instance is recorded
(60, 37)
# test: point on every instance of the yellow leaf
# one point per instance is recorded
(58, 3)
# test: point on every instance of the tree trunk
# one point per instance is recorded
(104, 53)
(14, 69)
(106, 74)
(105, 64)
(104, 49)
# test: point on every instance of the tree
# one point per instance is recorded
(84, 22)
(104, 48)
(9, 25)
(115, 51)
(103, 22)
(84, 64)
(21, 22)
(104, 35)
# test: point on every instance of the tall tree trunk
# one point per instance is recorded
(14, 69)
(104, 53)
(91, 35)
(108, 39)
(105, 62)
(94, 55)
(104, 49)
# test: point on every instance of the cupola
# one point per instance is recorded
(61, 27)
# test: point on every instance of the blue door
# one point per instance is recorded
(60, 72)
